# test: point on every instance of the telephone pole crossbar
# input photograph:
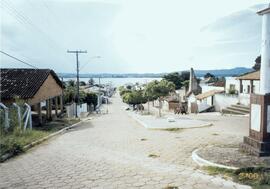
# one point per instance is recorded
(78, 78)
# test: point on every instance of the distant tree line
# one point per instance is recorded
(154, 90)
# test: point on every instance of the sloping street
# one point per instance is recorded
(114, 151)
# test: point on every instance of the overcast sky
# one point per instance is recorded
(131, 35)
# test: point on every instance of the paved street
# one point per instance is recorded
(112, 151)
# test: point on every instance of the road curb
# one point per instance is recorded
(203, 162)
(139, 121)
(151, 128)
(28, 146)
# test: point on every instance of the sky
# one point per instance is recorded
(131, 36)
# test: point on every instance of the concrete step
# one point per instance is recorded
(241, 106)
(239, 109)
(230, 111)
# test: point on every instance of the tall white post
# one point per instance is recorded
(265, 52)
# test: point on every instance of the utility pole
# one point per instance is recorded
(78, 82)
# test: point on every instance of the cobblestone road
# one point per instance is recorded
(111, 151)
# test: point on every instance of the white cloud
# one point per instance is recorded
(130, 35)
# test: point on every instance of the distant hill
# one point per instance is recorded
(224, 72)
(199, 73)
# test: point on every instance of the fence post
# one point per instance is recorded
(29, 116)
(6, 115)
(18, 114)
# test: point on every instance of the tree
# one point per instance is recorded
(91, 82)
(208, 75)
(129, 87)
(123, 92)
(71, 83)
(82, 83)
(185, 75)
(134, 98)
(257, 65)
(91, 98)
(69, 94)
(185, 84)
(177, 78)
(158, 89)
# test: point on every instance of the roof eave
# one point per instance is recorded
(264, 11)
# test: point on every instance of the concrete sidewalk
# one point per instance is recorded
(168, 122)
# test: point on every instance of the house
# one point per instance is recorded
(249, 83)
(33, 86)
(204, 101)
(245, 84)
(237, 93)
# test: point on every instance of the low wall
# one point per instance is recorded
(222, 101)
(71, 111)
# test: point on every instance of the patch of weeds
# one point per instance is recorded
(171, 187)
(153, 156)
(257, 177)
(143, 139)
(218, 171)
(173, 129)
(14, 142)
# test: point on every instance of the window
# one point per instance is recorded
(232, 87)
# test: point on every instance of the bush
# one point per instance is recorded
(91, 98)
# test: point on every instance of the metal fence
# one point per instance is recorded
(15, 116)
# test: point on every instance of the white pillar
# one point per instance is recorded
(265, 52)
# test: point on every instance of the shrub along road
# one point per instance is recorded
(114, 151)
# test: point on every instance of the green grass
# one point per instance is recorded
(15, 141)
(258, 178)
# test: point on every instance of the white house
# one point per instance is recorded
(245, 84)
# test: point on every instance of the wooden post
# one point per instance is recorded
(56, 106)
(241, 86)
(251, 87)
(61, 104)
(47, 109)
(38, 106)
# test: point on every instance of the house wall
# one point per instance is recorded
(206, 88)
(191, 99)
(233, 81)
(48, 90)
(222, 101)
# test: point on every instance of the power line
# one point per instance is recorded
(26, 21)
(29, 22)
(18, 59)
